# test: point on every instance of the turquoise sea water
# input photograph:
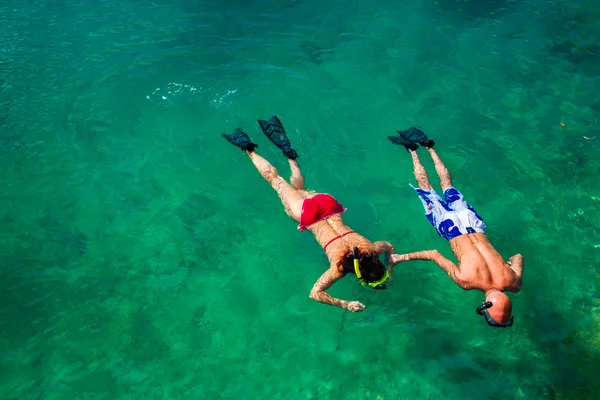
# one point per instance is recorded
(144, 258)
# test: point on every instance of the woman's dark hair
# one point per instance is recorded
(371, 268)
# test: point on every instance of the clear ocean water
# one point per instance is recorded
(143, 257)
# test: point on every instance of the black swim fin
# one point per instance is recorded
(240, 139)
(273, 129)
(403, 142)
(415, 135)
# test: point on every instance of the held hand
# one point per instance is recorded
(397, 258)
(355, 306)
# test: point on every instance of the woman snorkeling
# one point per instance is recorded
(347, 251)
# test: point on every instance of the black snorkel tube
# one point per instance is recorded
(482, 310)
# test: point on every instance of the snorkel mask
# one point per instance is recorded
(482, 310)
(377, 285)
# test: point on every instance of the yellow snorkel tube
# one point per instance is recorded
(375, 284)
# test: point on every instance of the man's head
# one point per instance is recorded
(496, 309)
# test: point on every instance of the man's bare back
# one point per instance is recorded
(480, 267)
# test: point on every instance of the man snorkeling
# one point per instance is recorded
(481, 267)
(348, 252)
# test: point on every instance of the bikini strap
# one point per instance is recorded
(336, 238)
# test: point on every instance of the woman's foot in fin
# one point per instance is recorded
(415, 135)
(273, 129)
(240, 139)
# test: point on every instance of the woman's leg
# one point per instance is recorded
(297, 180)
(290, 196)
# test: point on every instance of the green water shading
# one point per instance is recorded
(145, 258)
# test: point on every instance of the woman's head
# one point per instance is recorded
(370, 267)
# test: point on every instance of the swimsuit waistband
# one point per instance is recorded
(336, 238)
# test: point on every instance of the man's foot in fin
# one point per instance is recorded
(415, 135)
(240, 139)
(273, 129)
(403, 142)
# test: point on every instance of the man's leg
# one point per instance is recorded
(420, 173)
(290, 196)
(440, 168)
(453, 198)
(432, 202)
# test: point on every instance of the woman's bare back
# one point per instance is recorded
(338, 238)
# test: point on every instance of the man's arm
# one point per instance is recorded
(323, 283)
(430, 255)
(516, 264)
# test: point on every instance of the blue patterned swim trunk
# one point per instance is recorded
(451, 216)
